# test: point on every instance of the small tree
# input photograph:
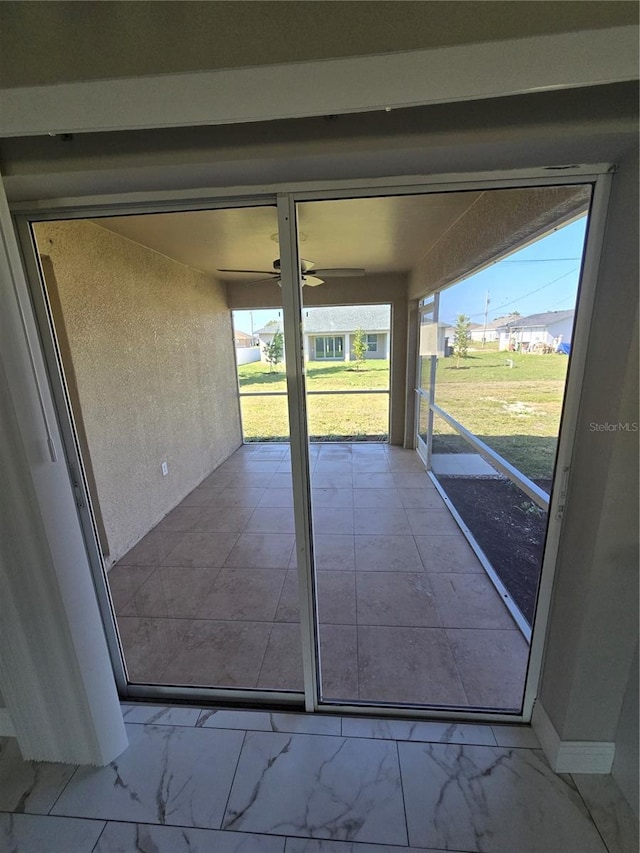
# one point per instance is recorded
(461, 337)
(274, 351)
(359, 347)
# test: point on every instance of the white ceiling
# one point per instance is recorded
(380, 234)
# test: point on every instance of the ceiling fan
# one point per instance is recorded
(308, 273)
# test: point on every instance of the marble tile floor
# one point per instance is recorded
(222, 781)
(407, 613)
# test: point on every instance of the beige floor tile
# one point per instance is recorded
(334, 552)
(219, 654)
(447, 554)
(125, 581)
(426, 498)
(339, 656)
(328, 520)
(469, 601)
(391, 520)
(408, 665)
(333, 498)
(373, 481)
(180, 519)
(432, 522)
(171, 592)
(236, 496)
(276, 497)
(281, 480)
(150, 644)
(376, 498)
(271, 519)
(336, 599)
(396, 598)
(374, 465)
(243, 594)
(332, 480)
(387, 554)
(198, 549)
(492, 665)
(223, 519)
(282, 664)
(151, 549)
(261, 551)
(411, 480)
(198, 497)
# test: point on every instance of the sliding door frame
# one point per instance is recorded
(285, 198)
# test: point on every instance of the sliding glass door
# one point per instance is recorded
(242, 394)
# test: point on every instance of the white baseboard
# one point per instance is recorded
(6, 724)
(571, 756)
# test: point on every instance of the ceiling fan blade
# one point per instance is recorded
(257, 272)
(312, 280)
(339, 271)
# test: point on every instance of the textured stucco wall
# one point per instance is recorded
(152, 349)
(496, 222)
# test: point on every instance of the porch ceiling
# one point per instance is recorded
(380, 234)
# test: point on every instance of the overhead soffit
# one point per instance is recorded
(107, 42)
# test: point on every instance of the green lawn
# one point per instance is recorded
(515, 410)
(332, 416)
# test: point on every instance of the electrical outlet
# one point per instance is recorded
(165, 469)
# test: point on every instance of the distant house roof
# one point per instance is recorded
(240, 334)
(345, 318)
(546, 318)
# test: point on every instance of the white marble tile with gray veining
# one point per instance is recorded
(418, 730)
(29, 833)
(516, 736)
(264, 721)
(168, 775)
(312, 845)
(493, 800)
(319, 787)
(29, 786)
(610, 811)
(147, 838)
(160, 715)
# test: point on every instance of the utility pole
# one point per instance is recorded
(486, 312)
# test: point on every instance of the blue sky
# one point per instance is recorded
(541, 277)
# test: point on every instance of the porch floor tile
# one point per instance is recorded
(406, 611)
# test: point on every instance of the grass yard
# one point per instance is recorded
(332, 416)
(515, 410)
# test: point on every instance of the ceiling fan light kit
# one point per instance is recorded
(309, 275)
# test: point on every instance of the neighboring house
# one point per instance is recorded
(329, 332)
(242, 339)
(489, 333)
(548, 329)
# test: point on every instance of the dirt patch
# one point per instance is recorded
(508, 527)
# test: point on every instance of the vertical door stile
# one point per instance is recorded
(295, 372)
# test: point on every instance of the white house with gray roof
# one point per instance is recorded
(547, 329)
(329, 332)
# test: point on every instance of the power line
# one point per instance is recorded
(541, 261)
(525, 295)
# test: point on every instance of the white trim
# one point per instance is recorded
(208, 198)
(568, 427)
(300, 89)
(570, 756)
(6, 724)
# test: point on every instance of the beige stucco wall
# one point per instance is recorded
(152, 348)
